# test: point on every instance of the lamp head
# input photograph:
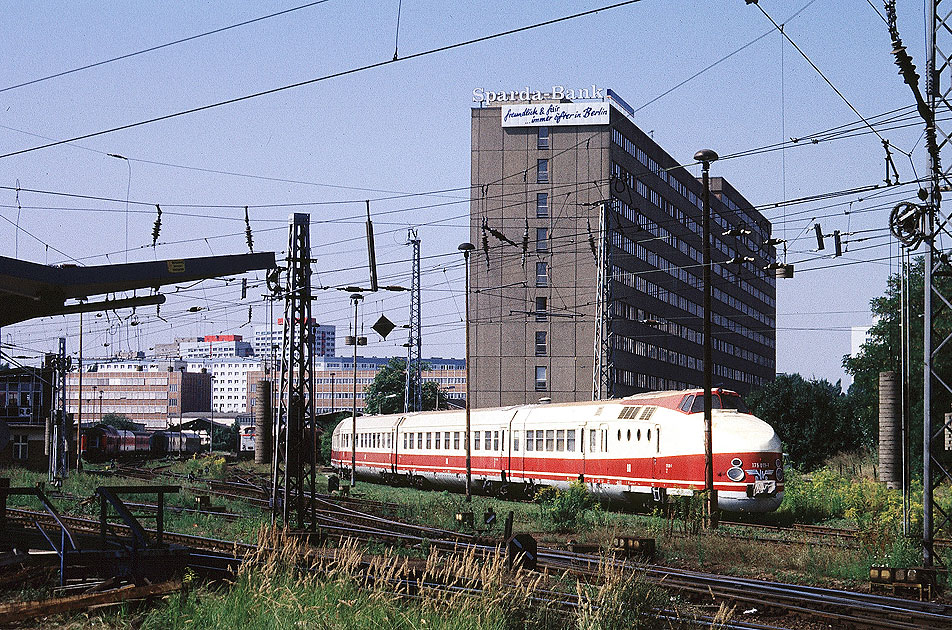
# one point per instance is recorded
(705, 156)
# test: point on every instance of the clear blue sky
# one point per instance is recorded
(405, 127)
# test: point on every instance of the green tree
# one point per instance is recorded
(120, 421)
(812, 418)
(881, 353)
(387, 391)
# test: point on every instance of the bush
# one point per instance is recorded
(567, 509)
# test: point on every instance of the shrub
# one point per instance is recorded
(567, 509)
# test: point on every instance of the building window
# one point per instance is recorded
(542, 239)
(543, 138)
(541, 347)
(541, 309)
(21, 447)
(542, 274)
(542, 205)
(542, 171)
(541, 380)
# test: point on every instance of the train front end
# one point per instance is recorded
(748, 463)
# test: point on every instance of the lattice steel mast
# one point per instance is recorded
(413, 394)
(603, 368)
(294, 466)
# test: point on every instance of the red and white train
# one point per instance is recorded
(637, 449)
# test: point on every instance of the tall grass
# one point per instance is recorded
(286, 585)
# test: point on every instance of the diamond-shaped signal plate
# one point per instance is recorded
(383, 326)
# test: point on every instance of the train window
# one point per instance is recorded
(560, 440)
(639, 435)
(619, 435)
(446, 440)
(605, 440)
(570, 440)
(733, 401)
(489, 441)
(436, 442)
(419, 439)
(476, 441)
(515, 440)
(390, 440)
(591, 440)
(649, 435)
(456, 440)
(539, 444)
(686, 403)
(530, 440)
(429, 439)
(495, 440)
(629, 435)
(549, 440)
(411, 440)
(404, 441)
(698, 405)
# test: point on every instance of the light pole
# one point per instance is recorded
(128, 188)
(466, 248)
(356, 299)
(211, 421)
(705, 157)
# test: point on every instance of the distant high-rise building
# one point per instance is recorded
(562, 189)
(215, 346)
(267, 340)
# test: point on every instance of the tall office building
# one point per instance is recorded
(562, 190)
(268, 339)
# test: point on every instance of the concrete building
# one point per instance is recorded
(545, 174)
(268, 339)
(25, 406)
(229, 380)
(215, 346)
(152, 393)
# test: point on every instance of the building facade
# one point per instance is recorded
(268, 339)
(215, 347)
(563, 189)
(151, 393)
(25, 406)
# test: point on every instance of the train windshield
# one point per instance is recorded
(720, 400)
(733, 401)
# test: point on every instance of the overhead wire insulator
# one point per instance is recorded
(248, 238)
(819, 237)
(837, 244)
(591, 239)
(157, 226)
(525, 245)
(485, 242)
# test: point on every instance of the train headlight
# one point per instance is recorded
(735, 473)
(779, 473)
(737, 462)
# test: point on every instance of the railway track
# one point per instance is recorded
(833, 606)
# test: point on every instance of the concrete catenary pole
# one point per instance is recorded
(890, 438)
(263, 423)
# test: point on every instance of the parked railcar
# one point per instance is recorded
(105, 442)
(164, 443)
(643, 448)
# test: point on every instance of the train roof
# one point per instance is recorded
(665, 398)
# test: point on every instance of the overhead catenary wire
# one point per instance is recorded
(190, 38)
(326, 77)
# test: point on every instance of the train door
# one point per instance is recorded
(394, 450)
(517, 446)
(659, 469)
